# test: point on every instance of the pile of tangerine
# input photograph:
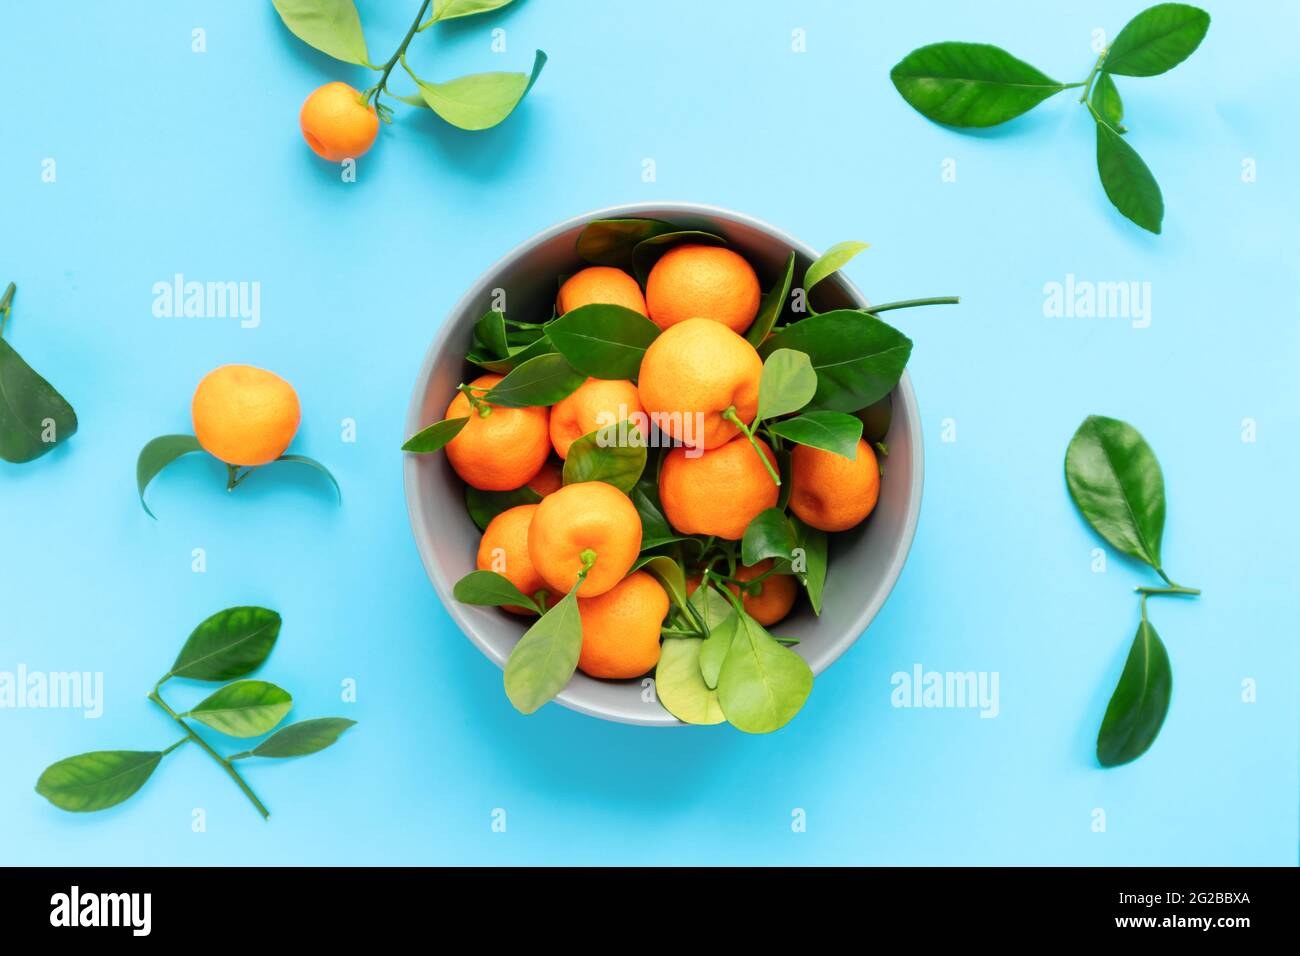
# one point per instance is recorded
(703, 298)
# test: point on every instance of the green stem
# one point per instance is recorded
(184, 740)
(191, 735)
(476, 401)
(6, 306)
(731, 416)
(382, 85)
(694, 615)
(913, 303)
(1087, 83)
(1177, 588)
(1172, 589)
(233, 477)
(758, 579)
(736, 601)
(673, 632)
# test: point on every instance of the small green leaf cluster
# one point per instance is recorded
(34, 417)
(826, 383)
(474, 102)
(978, 85)
(228, 646)
(1116, 483)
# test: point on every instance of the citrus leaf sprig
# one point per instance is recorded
(228, 646)
(477, 101)
(825, 383)
(34, 417)
(979, 85)
(160, 452)
(1116, 483)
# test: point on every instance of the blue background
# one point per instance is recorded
(173, 161)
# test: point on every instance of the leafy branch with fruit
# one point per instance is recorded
(244, 417)
(228, 646)
(658, 464)
(340, 122)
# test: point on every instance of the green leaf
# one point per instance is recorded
(831, 261)
(813, 574)
(771, 306)
(1115, 480)
(317, 466)
(156, 456)
(483, 506)
(543, 380)
(300, 739)
(526, 336)
(434, 437)
(762, 685)
(648, 251)
(34, 417)
(515, 356)
(451, 9)
(614, 454)
(876, 419)
(331, 26)
(768, 535)
(1128, 182)
(246, 708)
(787, 385)
(835, 432)
(717, 645)
(712, 607)
(1138, 706)
(96, 780)
(970, 84)
(611, 242)
(480, 100)
(491, 589)
(490, 332)
(1106, 100)
(1157, 39)
(680, 685)
(655, 529)
(231, 643)
(857, 357)
(546, 656)
(604, 341)
(667, 572)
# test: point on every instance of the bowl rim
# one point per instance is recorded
(417, 508)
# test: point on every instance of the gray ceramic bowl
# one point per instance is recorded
(864, 562)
